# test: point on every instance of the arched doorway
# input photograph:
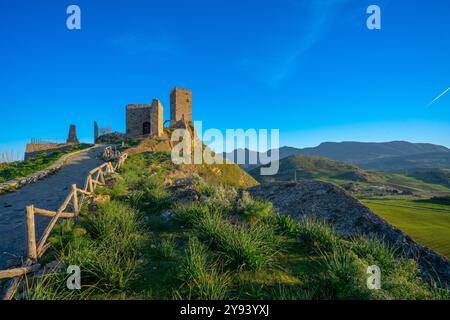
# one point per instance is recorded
(146, 128)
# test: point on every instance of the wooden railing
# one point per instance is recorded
(76, 198)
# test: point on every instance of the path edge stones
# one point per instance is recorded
(16, 184)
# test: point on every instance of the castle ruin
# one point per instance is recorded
(180, 105)
(148, 119)
(39, 146)
(72, 139)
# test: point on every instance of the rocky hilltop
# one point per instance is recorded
(330, 203)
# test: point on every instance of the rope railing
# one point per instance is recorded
(76, 198)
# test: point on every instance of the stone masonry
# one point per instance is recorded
(72, 135)
(156, 119)
(180, 105)
(95, 131)
(146, 119)
(138, 119)
(34, 149)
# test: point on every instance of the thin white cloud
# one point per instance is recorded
(438, 97)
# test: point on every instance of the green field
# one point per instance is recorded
(430, 228)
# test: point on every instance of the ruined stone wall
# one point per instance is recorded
(95, 131)
(180, 105)
(34, 149)
(137, 115)
(157, 119)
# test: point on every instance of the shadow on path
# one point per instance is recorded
(49, 194)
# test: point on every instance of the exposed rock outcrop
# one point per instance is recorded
(349, 217)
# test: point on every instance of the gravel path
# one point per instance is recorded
(48, 193)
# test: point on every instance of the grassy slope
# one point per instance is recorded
(228, 173)
(419, 186)
(223, 247)
(316, 168)
(341, 173)
(430, 228)
(10, 171)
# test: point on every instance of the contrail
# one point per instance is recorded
(438, 97)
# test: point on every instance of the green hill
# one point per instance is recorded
(307, 167)
(361, 183)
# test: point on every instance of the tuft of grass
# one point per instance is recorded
(286, 225)
(316, 235)
(166, 248)
(52, 286)
(254, 209)
(244, 247)
(204, 281)
(375, 252)
(190, 215)
(105, 245)
(154, 200)
(118, 191)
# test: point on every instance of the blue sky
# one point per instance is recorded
(309, 68)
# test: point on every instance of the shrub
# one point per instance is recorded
(254, 209)
(133, 179)
(316, 235)
(222, 198)
(66, 232)
(118, 191)
(286, 225)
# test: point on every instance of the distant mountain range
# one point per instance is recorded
(392, 156)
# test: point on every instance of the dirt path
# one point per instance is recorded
(48, 193)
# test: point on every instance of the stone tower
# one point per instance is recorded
(156, 119)
(138, 119)
(180, 105)
(95, 131)
(72, 135)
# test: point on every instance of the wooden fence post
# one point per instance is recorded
(76, 206)
(31, 231)
(91, 185)
(101, 177)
